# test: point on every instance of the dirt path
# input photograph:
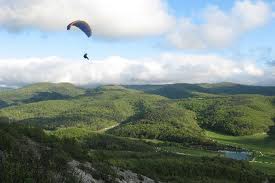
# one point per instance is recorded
(108, 128)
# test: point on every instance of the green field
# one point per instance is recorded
(261, 144)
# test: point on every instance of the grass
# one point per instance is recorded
(81, 131)
(170, 167)
(266, 168)
(187, 151)
(71, 132)
(258, 143)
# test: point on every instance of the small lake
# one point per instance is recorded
(237, 155)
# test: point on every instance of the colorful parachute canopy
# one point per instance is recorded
(82, 25)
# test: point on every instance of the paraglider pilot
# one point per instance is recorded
(86, 56)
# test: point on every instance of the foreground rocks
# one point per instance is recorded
(86, 174)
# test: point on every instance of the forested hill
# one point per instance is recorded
(39, 92)
(143, 114)
(60, 132)
(176, 91)
(5, 88)
(51, 91)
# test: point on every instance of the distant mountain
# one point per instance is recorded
(209, 106)
(176, 91)
(98, 108)
(5, 89)
(39, 92)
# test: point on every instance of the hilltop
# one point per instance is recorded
(176, 91)
(39, 92)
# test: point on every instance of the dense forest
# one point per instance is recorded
(168, 133)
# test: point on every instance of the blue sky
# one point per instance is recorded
(147, 36)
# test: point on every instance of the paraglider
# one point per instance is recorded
(86, 56)
(84, 27)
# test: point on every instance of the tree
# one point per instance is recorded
(271, 131)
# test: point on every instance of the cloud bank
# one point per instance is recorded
(167, 68)
(112, 19)
(218, 28)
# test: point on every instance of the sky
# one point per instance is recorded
(138, 42)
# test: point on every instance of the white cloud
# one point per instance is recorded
(109, 18)
(253, 70)
(220, 28)
(167, 68)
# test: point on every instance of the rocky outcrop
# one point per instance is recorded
(127, 176)
(84, 171)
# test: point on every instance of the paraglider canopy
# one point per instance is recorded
(82, 25)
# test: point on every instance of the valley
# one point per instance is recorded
(169, 133)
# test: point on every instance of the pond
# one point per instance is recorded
(238, 155)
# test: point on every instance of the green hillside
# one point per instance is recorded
(233, 115)
(98, 109)
(33, 156)
(163, 122)
(39, 92)
(141, 115)
(162, 138)
(5, 89)
(176, 91)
